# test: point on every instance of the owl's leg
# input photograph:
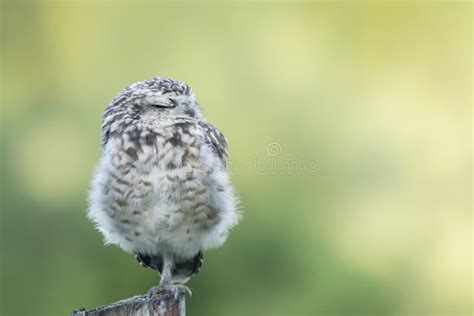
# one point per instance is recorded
(166, 280)
(165, 277)
(167, 272)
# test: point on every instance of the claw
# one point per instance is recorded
(176, 290)
(182, 289)
(156, 290)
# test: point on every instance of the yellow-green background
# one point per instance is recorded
(378, 94)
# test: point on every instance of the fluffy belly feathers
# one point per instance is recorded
(162, 191)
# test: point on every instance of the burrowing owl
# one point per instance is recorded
(161, 190)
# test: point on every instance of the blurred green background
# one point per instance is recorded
(369, 104)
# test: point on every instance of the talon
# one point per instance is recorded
(176, 290)
(183, 289)
(156, 290)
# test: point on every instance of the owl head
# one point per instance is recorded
(149, 102)
(159, 97)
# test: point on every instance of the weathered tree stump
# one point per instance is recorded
(155, 303)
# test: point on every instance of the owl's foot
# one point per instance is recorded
(156, 291)
(174, 289)
(182, 289)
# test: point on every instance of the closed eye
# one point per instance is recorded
(169, 103)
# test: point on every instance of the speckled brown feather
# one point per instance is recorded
(161, 190)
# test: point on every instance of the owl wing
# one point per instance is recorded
(215, 139)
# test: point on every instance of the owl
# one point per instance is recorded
(161, 190)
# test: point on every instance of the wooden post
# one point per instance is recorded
(155, 303)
